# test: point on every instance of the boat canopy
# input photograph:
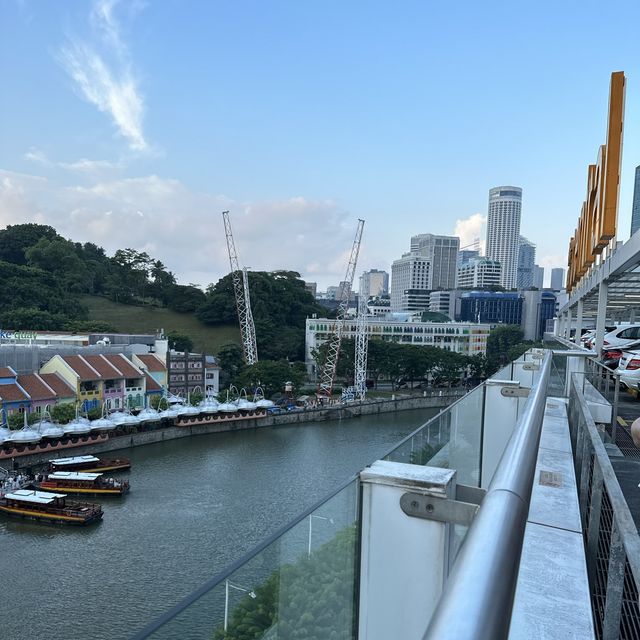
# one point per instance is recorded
(37, 497)
(73, 475)
(74, 460)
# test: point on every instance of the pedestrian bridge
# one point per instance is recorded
(501, 517)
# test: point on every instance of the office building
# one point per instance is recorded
(538, 307)
(447, 302)
(479, 273)
(467, 255)
(410, 283)
(493, 307)
(442, 253)
(635, 208)
(503, 231)
(557, 279)
(526, 263)
(461, 337)
(538, 276)
(374, 283)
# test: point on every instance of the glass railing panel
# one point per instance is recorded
(303, 584)
(450, 440)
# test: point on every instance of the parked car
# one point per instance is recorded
(629, 369)
(610, 356)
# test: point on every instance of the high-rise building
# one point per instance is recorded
(479, 274)
(312, 288)
(410, 283)
(466, 255)
(374, 283)
(503, 231)
(557, 279)
(442, 252)
(635, 209)
(538, 276)
(526, 263)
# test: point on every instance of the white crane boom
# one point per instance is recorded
(328, 373)
(243, 300)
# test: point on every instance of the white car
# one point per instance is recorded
(622, 336)
(629, 369)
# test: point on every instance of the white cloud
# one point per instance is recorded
(184, 229)
(471, 229)
(111, 88)
(84, 165)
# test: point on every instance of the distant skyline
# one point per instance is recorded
(134, 124)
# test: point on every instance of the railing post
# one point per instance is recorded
(391, 544)
(615, 586)
(593, 526)
(616, 399)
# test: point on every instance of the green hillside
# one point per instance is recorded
(145, 319)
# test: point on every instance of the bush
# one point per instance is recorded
(63, 413)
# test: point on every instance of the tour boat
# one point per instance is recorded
(90, 464)
(83, 482)
(49, 507)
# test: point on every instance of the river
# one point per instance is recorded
(196, 504)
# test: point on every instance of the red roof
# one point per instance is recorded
(151, 362)
(82, 368)
(125, 366)
(7, 372)
(104, 367)
(152, 385)
(60, 386)
(36, 387)
(12, 393)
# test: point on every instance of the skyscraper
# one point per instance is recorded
(526, 263)
(635, 209)
(410, 277)
(557, 279)
(442, 253)
(503, 231)
(538, 276)
(374, 283)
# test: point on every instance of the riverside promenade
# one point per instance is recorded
(187, 426)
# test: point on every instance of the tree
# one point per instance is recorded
(270, 375)
(16, 239)
(230, 358)
(63, 413)
(500, 340)
(59, 257)
(179, 341)
(16, 420)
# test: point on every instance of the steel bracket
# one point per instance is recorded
(530, 366)
(417, 505)
(515, 392)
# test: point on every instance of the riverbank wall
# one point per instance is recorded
(192, 426)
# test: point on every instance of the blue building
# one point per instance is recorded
(493, 307)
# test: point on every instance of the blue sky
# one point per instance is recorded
(136, 123)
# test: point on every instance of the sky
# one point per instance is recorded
(136, 123)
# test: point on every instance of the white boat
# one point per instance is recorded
(48, 429)
(209, 405)
(261, 401)
(5, 434)
(148, 415)
(26, 435)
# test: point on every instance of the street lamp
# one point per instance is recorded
(228, 585)
(311, 517)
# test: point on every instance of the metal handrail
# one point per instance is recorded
(477, 600)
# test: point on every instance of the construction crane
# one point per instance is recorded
(362, 347)
(328, 373)
(243, 300)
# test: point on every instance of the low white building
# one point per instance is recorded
(462, 337)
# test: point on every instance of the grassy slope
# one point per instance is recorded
(133, 319)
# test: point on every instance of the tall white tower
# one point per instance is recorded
(503, 231)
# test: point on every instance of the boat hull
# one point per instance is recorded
(53, 518)
(95, 491)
